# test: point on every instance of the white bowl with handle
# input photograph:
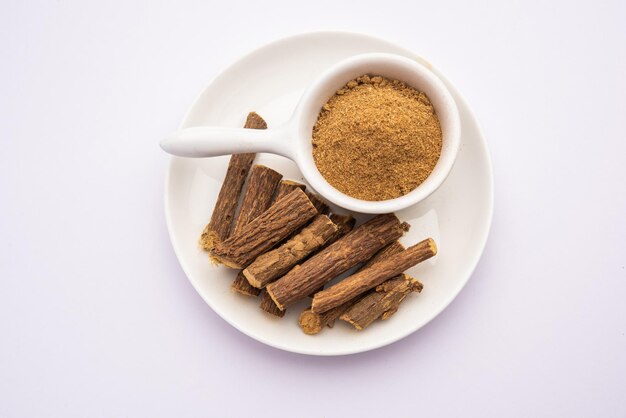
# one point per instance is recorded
(294, 139)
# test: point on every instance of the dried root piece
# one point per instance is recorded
(345, 224)
(241, 284)
(382, 303)
(287, 186)
(312, 323)
(270, 228)
(224, 211)
(350, 250)
(268, 305)
(320, 205)
(257, 198)
(372, 276)
(243, 287)
(273, 264)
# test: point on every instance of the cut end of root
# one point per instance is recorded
(416, 286)
(350, 321)
(313, 307)
(310, 323)
(271, 294)
(208, 239)
(432, 245)
(216, 260)
(242, 292)
(251, 279)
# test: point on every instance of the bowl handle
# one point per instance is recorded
(205, 141)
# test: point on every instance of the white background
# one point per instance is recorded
(98, 319)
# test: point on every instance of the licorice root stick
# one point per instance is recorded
(273, 264)
(372, 276)
(274, 225)
(344, 224)
(241, 285)
(224, 211)
(258, 196)
(312, 323)
(350, 250)
(381, 303)
(287, 186)
(256, 199)
(320, 205)
(268, 305)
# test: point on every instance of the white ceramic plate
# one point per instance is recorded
(270, 81)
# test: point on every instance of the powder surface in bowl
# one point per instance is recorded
(376, 138)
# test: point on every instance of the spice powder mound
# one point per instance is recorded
(376, 138)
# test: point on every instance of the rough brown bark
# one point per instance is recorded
(344, 224)
(273, 264)
(372, 276)
(394, 248)
(382, 303)
(224, 211)
(262, 183)
(350, 250)
(241, 286)
(417, 287)
(312, 323)
(268, 305)
(320, 205)
(258, 196)
(267, 230)
(287, 186)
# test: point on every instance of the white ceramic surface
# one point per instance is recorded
(294, 139)
(270, 81)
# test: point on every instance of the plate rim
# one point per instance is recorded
(483, 239)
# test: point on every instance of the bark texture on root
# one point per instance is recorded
(348, 251)
(312, 323)
(241, 284)
(382, 303)
(287, 186)
(258, 195)
(273, 264)
(263, 233)
(320, 205)
(372, 276)
(223, 214)
(243, 287)
(344, 224)
(262, 183)
(268, 305)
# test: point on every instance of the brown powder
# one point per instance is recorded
(376, 139)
